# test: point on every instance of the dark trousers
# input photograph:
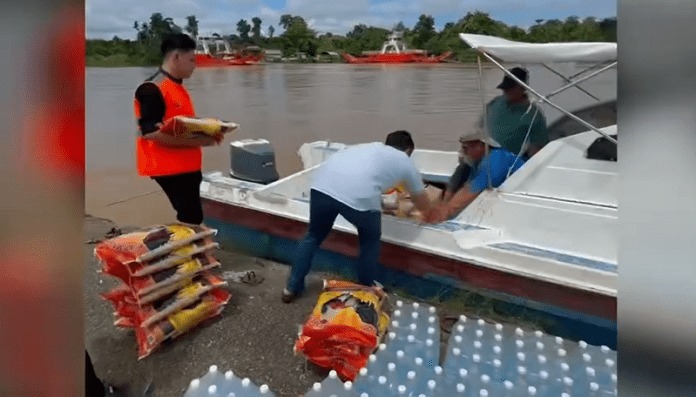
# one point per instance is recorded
(183, 192)
(323, 211)
(93, 386)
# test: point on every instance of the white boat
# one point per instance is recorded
(546, 239)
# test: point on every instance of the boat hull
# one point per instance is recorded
(395, 58)
(204, 60)
(572, 313)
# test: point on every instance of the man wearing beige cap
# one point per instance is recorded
(514, 124)
(492, 168)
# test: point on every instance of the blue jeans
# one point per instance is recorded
(323, 210)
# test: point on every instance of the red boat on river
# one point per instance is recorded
(217, 52)
(394, 51)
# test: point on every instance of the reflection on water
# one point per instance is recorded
(293, 104)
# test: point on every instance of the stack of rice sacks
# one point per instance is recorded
(167, 287)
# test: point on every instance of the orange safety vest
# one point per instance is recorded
(156, 159)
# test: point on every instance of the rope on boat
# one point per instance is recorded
(131, 198)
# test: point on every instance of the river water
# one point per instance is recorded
(289, 104)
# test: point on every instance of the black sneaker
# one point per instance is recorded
(288, 296)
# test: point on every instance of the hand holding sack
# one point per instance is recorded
(193, 127)
(401, 206)
(167, 288)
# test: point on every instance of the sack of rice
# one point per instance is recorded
(345, 327)
(191, 127)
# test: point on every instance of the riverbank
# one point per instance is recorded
(254, 337)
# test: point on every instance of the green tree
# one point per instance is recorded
(424, 30)
(256, 29)
(608, 28)
(243, 28)
(271, 30)
(192, 25)
(298, 35)
(285, 21)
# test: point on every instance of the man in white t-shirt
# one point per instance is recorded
(350, 183)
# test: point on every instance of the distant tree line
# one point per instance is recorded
(298, 37)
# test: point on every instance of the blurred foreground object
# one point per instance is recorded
(42, 198)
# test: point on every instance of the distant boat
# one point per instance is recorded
(223, 55)
(394, 51)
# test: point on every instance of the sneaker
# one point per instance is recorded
(288, 296)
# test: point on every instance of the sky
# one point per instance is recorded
(109, 18)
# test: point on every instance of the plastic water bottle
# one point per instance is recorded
(411, 384)
(202, 386)
(383, 387)
(395, 342)
(246, 388)
(508, 389)
(453, 360)
(439, 378)
(544, 387)
(330, 386)
(229, 384)
(604, 377)
(213, 391)
(392, 377)
(431, 354)
(593, 390)
(366, 380)
(316, 391)
(195, 389)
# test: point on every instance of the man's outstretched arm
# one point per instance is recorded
(457, 203)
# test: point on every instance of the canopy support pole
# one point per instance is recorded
(578, 81)
(485, 115)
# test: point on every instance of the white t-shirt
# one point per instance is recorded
(358, 175)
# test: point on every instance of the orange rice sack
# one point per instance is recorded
(179, 275)
(206, 307)
(345, 327)
(191, 127)
(130, 254)
(132, 310)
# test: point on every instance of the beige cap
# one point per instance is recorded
(479, 135)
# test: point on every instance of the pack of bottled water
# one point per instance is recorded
(482, 359)
(217, 384)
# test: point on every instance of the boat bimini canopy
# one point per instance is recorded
(498, 50)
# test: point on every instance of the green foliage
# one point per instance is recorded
(191, 25)
(243, 28)
(297, 37)
(256, 29)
